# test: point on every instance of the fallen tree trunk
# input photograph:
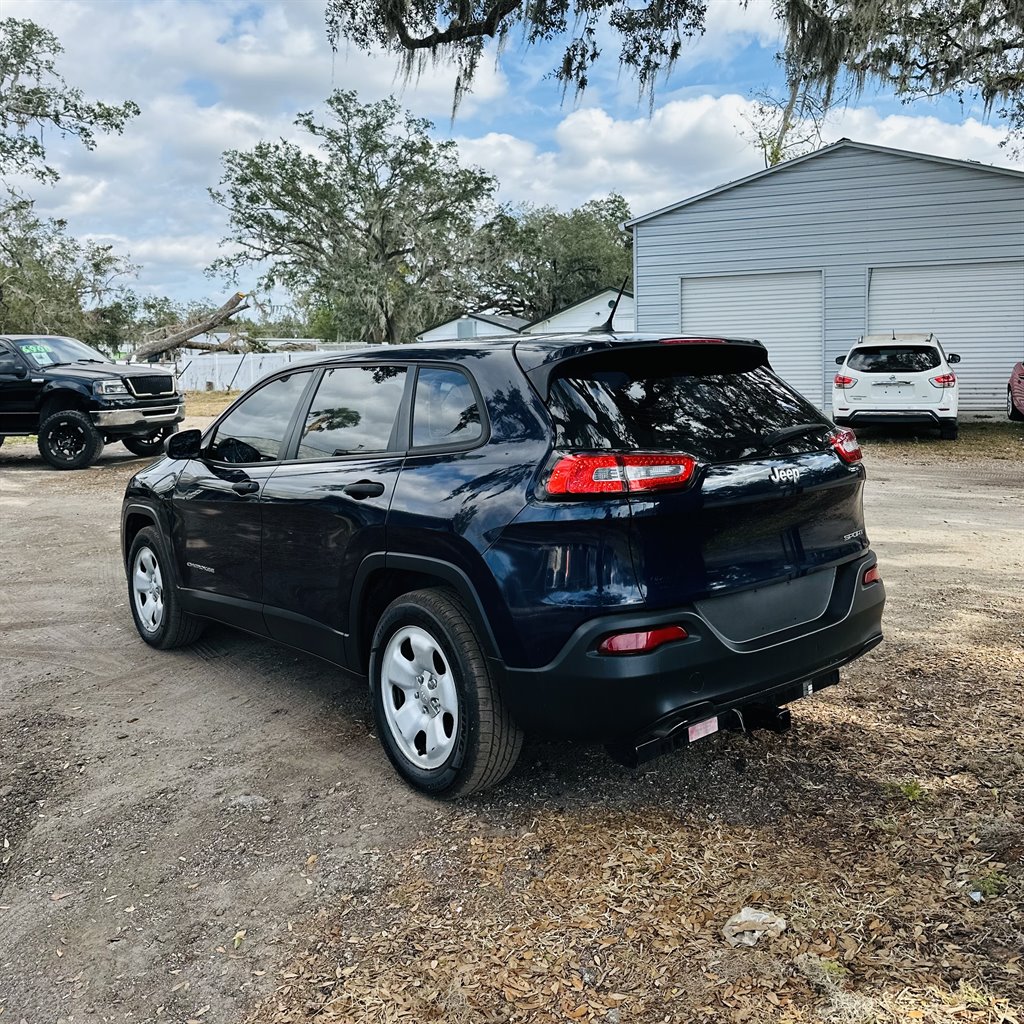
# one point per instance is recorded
(178, 338)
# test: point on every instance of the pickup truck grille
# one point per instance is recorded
(151, 384)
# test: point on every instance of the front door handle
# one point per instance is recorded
(364, 489)
(245, 487)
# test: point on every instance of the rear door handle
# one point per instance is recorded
(245, 487)
(364, 489)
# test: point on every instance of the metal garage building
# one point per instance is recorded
(850, 239)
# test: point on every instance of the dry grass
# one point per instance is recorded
(611, 912)
(208, 403)
(998, 439)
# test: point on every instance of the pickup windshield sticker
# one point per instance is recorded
(42, 355)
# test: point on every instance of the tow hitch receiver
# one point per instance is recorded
(687, 725)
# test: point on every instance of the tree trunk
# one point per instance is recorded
(176, 340)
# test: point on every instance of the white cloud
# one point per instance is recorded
(212, 76)
(687, 147)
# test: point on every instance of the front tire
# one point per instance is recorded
(149, 445)
(157, 612)
(68, 440)
(438, 709)
(1012, 412)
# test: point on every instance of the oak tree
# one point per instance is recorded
(372, 220)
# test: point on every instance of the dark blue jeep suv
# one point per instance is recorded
(628, 539)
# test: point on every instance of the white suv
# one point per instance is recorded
(897, 378)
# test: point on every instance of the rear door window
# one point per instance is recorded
(675, 401)
(894, 359)
(353, 412)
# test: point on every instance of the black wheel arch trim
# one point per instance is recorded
(137, 508)
(457, 578)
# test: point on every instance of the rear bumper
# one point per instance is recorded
(889, 417)
(585, 695)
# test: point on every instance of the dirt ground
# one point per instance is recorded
(215, 835)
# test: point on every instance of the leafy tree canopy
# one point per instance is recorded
(34, 98)
(53, 283)
(917, 47)
(374, 223)
(535, 260)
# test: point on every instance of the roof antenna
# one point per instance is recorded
(607, 327)
(893, 329)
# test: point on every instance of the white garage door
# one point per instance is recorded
(974, 309)
(781, 310)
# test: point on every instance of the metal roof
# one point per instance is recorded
(841, 144)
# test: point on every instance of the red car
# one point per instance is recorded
(1015, 393)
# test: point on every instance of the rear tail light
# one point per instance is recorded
(872, 575)
(944, 380)
(843, 382)
(845, 444)
(619, 474)
(641, 642)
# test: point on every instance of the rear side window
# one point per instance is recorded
(353, 412)
(446, 410)
(254, 430)
(894, 359)
(634, 401)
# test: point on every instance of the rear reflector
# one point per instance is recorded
(619, 474)
(843, 382)
(845, 445)
(642, 642)
(872, 575)
(945, 380)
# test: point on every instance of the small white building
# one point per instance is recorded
(473, 325)
(586, 314)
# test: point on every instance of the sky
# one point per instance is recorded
(211, 76)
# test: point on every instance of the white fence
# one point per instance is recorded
(221, 371)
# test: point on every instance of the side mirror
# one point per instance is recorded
(952, 358)
(186, 445)
(11, 367)
(840, 360)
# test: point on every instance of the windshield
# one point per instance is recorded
(667, 405)
(894, 359)
(48, 351)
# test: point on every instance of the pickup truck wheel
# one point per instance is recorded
(149, 444)
(68, 440)
(437, 706)
(154, 601)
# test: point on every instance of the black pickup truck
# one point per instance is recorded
(75, 399)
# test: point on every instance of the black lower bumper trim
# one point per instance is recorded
(757, 711)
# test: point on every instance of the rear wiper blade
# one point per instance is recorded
(776, 437)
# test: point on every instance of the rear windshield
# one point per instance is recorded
(634, 401)
(894, 359)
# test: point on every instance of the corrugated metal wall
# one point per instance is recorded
(843, 212)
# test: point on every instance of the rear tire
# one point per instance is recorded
(68, 440)
(438, 709)
(153, 597)
(149, 445)
(948, 431)
(1012, 412)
